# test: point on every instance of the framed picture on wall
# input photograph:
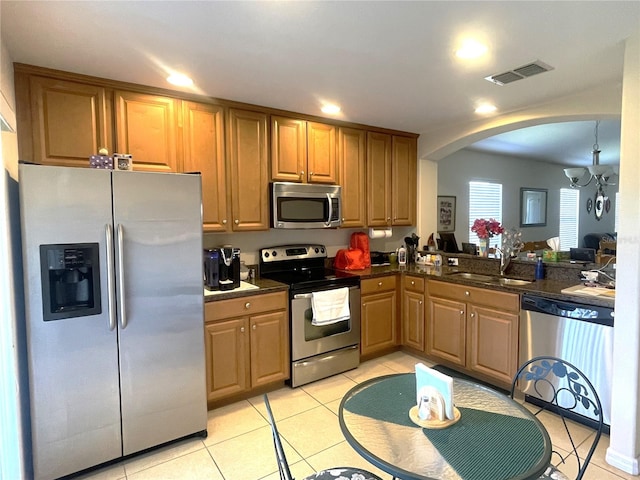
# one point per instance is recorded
(446, 213)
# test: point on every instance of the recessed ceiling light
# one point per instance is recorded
(179, 80)
(471, 49)
(330, 109)
(486, 109)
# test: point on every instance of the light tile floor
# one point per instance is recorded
(239, 445)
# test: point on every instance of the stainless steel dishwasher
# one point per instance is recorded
(580, 334)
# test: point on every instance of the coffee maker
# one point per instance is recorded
(222, 268)
(211, 268)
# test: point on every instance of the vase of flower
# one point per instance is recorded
(485, 230)
(483, 247)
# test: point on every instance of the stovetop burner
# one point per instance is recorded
(302, 267)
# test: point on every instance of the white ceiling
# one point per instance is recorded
(388, 64)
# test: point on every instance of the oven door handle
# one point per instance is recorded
(303, 295)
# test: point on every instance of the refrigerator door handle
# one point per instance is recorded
(110, 277)
(123, 311)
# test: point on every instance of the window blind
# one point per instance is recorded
(569, 215)
(485, 201)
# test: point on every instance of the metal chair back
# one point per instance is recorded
(283, 466)
(560, 387)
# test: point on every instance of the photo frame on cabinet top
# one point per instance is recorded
(533, 207)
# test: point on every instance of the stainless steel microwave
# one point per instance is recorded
(305, 205)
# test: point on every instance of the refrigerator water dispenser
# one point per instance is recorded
(70, 280)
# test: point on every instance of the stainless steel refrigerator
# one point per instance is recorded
(114, 311)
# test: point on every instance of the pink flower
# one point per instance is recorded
(486, 228)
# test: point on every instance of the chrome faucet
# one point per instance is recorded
(505, 257)
(505, 260)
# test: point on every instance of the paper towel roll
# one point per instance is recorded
(380, 233)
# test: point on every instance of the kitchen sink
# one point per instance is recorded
(489, 279)
(476, 277)
(512, 281)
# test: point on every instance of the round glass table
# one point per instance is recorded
(496, 438)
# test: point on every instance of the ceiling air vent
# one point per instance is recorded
(519, 73)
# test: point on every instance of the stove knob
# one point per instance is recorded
(274, 253)
(322, 249)
(266, 254)
(317, 249)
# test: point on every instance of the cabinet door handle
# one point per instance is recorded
(224, 222)
(379, 284)
(420, 302)
(461, 312)
(253, 327)
(472, 315)
(236, 221)
(467, 293)
(247, 305)
(301, 173)
(412, 282)
(241, 329)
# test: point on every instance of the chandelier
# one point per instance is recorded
(597, 172)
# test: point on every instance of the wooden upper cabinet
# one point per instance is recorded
(351, 176)
(247, 149)
(391, 180)
(288, 149)
(203, 150)
(64, 123)
(378, 179)
(146, 127)
(404, 178)
(321, 153)
(302, 151)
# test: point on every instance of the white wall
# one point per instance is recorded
(14, 433)
(624, 449)
(458, 169)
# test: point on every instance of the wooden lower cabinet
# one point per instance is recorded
(413, 312)
(246, 343)
(446, 327)
(226, 347)
(474, 328)
(378, 314)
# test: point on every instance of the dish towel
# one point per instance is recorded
(330, 306)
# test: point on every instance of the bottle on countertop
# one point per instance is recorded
(402, 255)
(539, 269)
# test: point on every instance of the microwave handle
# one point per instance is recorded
(328, 222)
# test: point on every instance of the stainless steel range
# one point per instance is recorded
(319, 349)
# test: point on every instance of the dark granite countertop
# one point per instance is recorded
(264, 286)
(549, 288)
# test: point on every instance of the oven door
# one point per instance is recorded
(308, 340)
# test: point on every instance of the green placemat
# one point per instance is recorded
(388, 401)
(469, 445)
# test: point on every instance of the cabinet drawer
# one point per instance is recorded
(413, 284)
(245, 306)
(479, 296)
(378, 284)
